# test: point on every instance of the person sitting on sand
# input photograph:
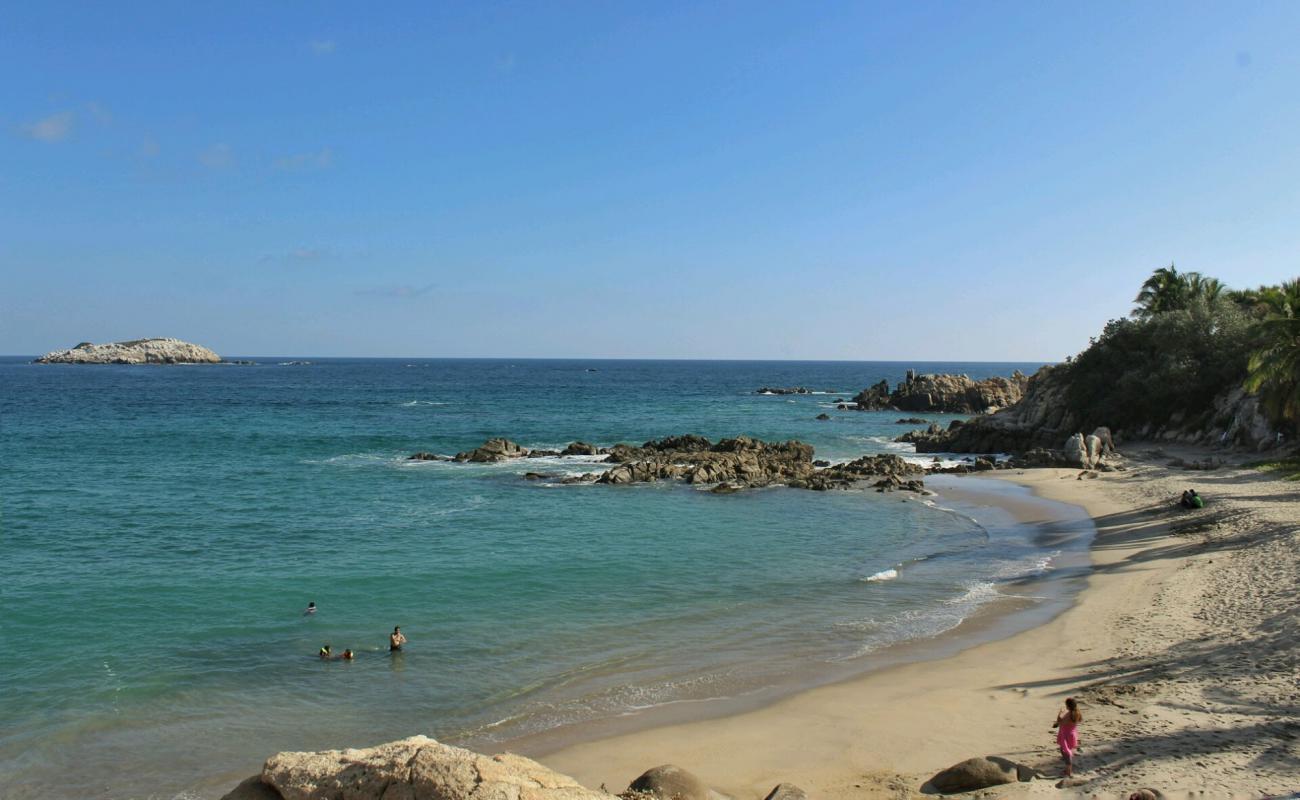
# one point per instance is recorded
(396, 640)
(1191, 499)
(324, 652)
(1067, 733)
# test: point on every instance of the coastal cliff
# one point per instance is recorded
(135, 351)
(1051, 411)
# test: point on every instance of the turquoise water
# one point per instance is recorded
(164, 527)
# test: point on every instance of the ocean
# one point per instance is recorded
(164, 528)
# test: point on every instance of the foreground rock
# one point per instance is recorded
(956, 394)
(667, 782)
(980, 773)
(136, 351)
(417, 768)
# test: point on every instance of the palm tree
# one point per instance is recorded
(1170, 290)
(1165, 290)
(1203, 288)
(1273, 371)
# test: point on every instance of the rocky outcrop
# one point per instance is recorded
(957, 394)
(889, 471)
(417, 768)
(731, 464)
(136, 351)
(693, 459)
(783, 390)
(1041, 418)
(980, 773)
(491, 451)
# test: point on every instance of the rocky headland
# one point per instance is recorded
(730, 464)
(1045, 423)
(135, 351)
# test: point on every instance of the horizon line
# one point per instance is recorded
(605, 358)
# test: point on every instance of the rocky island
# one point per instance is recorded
(135, 351)
(954, 394)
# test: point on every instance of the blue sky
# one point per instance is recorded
(976, 181)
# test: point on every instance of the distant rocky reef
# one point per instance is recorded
(136, 351)
(952, 394)
(730, 464)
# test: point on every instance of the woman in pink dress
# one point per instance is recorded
(1067, 733)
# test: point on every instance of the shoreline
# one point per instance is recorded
(883, 733)
(1022, 603)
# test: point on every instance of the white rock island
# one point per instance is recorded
(136, 351)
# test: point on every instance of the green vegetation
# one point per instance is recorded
(1287, 468)
(1274, 366)
(1189, 341)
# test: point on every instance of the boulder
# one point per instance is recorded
(543, 453)
(423, 456)
(1076, 451)
(536, 476)
(783, 390)
(414, 768)
(135, 351)
(980, 773)
(1093, 445)
(668, 782)
(580, 449)
(1146, 794)
(912, 421)
(493, 450)
(823, 417)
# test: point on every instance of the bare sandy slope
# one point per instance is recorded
(1184, 648)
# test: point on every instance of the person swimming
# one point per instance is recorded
(347, 655)
(396, 640)
(311, 609)
(324, 652)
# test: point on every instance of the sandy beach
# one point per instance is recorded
(1182, 649)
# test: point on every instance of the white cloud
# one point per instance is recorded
(54, 128)
(306, 162)
(322, 47)
(218, 156)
